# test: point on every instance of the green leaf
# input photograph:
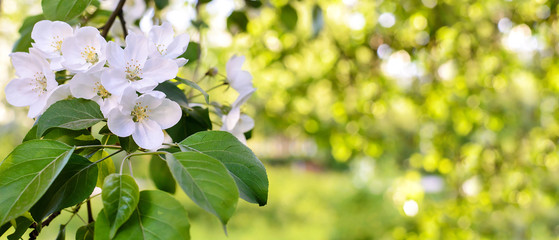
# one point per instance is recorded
(237, 22)
(73, 114)
(158, 216)
(128, 144)
(106, 167)
(22, 224)
(24, 42)
(249, 173)
(173, 92)
(193, 120)
(5, 228)
(161, 175)
(254, 3)
(317, 20)
(26, 174)
(160, 4)
(32, 134)
(195, 86)
(206, 181)
(288, 17)
(120, 197)
(71, 137)
(75, 183)
(86, 232)
(63, 10)
(61, 233)
(192, 53)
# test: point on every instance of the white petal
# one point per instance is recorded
(148, 134)
(181, 61)
(178, 46)
(19, 92)
(167, 114)
(245, 124)
(144, 85)
(233, 66)
(242, 98)
(120, 124)
(136, 48)
(114, 80)
(108, 104)
(161, 34)
(151, 101)
(82, 85)
(60, 93)
(160, 69)
(46, 34)
(242, 81)
(128, 100)
(25, 64)
(240, 136)
(231, 119)
(37, 108)
(115, 55)
(156, 94)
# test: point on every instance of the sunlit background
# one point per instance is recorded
(431, 119)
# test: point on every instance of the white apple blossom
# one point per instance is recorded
(238, 79)
(163, 43)
(85, 51)
(48, 37)
(244, 124)
(144, 117)
(61, 92)
(131, 67)
(88, 86)
(35, 83)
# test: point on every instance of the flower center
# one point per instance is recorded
(139, 113)
(101, 91)
(90, 55)
(39, 84)
(161, 48)
(133, 71)
(57, 44)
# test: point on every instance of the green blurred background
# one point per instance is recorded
(412, 119)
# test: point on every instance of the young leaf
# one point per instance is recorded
(22, 224)
(195, 86)
(288, 16)
(249, 173)
(120, 197)
(26, 174)
(192, 53)
(158, 216)
(86, 232)
(237, 22)
(193, 120)
(106, 167)
(74, 184)
(206, 181)
(173, 92)
(63, 10)
(128, 144)
(161, 175)
(73, 114)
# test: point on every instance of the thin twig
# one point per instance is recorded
(112, 18)
(123, 24)
(89, 212)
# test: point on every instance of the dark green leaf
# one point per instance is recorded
(249, 173)
(32, 134)
(254, 3)
(317, 20)
(288, 17)
(237, 22)
(74, 184)
(192, 53)
(22, 224)
(120, 197)
(128, 144)
(24, 42)
(61, 233)
(63, 10)
(206, 181)
(195, 86)
(161, 175)
(193, 120)
(159, 217)
(27, 173)
(160, 4)
(73, 114)
(106, 167)
(71, 137)
(173, 92)
(5, 228)
(86, 232)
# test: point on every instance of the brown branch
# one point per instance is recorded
(112, 18)
(123, 24)
(89, 212)
(33, 235)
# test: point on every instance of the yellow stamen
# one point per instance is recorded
(140, 112)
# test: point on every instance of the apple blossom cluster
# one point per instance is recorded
(121, 81)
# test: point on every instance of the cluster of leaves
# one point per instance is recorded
(69, 150)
